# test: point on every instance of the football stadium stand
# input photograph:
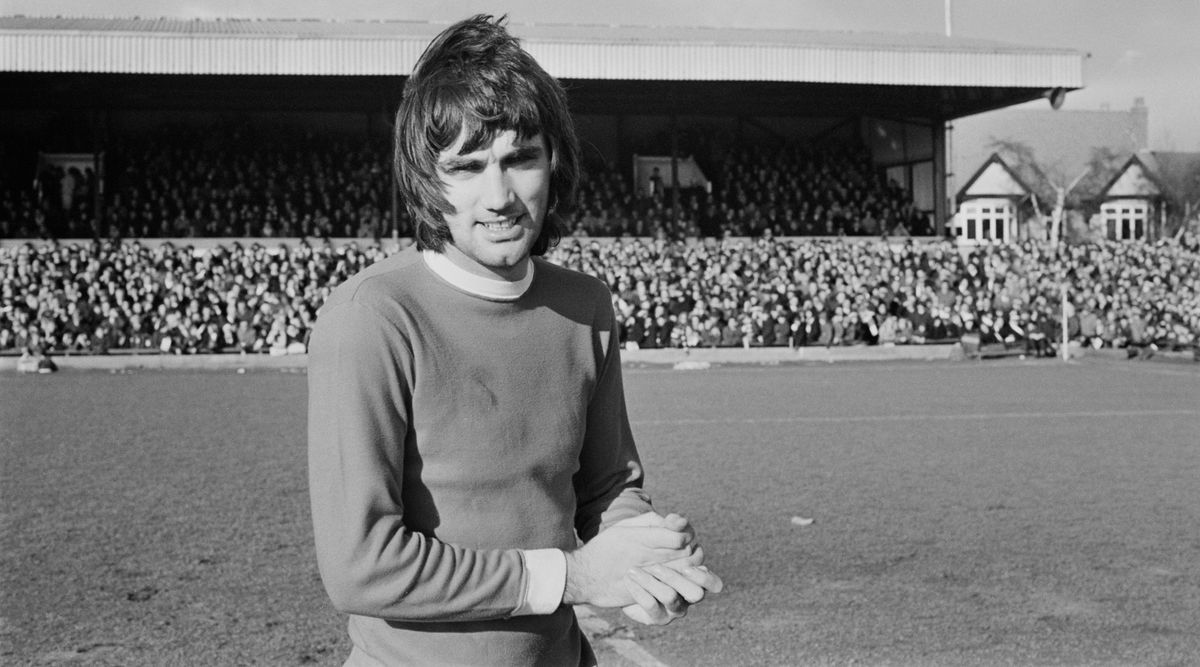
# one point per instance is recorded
(106, 297)
(258, 148)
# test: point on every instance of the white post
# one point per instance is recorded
(1066, 352)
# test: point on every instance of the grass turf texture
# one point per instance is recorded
(997, 513)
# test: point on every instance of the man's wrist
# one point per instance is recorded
(572, 587)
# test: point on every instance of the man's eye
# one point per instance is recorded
(523, 159)
(462, 168)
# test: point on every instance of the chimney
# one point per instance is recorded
(1139, 124)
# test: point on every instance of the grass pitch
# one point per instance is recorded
(994, 513)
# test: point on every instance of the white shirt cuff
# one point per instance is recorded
(545, 581)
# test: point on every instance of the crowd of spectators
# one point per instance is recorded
(227, 180)
(236, 179)
(773, 288)
(797, 293)
(108, 295)
(788, 189)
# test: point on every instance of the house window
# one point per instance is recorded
(1125, 220)
(986, 220)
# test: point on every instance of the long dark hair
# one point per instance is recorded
(474, 79)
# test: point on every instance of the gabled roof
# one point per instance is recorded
(166, 46)
(1164, 161)
(1156, 173)
(994, 179)
(1133, 179)
(1062, 140)
(1178, 173)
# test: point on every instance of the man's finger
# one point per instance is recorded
(641, 596)
(696, 557)
(668, 597)
(683, 585)
(651, 519)
(647, 610)
(676, 522)
(672, 521)
(662, 538)
(693, 568)
(679, 523)
(702, 577)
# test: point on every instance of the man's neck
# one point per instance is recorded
(493, 289)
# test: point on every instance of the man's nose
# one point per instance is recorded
(497, 191)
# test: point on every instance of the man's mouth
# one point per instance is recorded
(500, 225)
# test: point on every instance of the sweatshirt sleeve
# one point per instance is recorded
(608, 485)
(370, 563)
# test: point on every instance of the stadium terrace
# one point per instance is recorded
(128, 296)
(763, 187)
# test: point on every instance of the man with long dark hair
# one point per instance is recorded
(467, 421)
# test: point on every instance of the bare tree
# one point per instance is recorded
(1047, 180)
(1053, 186)
(1179, 175)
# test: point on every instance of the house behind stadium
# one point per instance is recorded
(1013, 162)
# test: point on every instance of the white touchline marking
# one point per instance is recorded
(1160, 369)
(598, 629)
(919, 417)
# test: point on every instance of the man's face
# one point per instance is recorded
(499, 194)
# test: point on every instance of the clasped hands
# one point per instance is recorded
(649, 565)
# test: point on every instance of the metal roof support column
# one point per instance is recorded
(622, 151)
(940, 204)
(97, 173)
(674, 171)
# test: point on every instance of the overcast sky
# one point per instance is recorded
(1139, 48)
